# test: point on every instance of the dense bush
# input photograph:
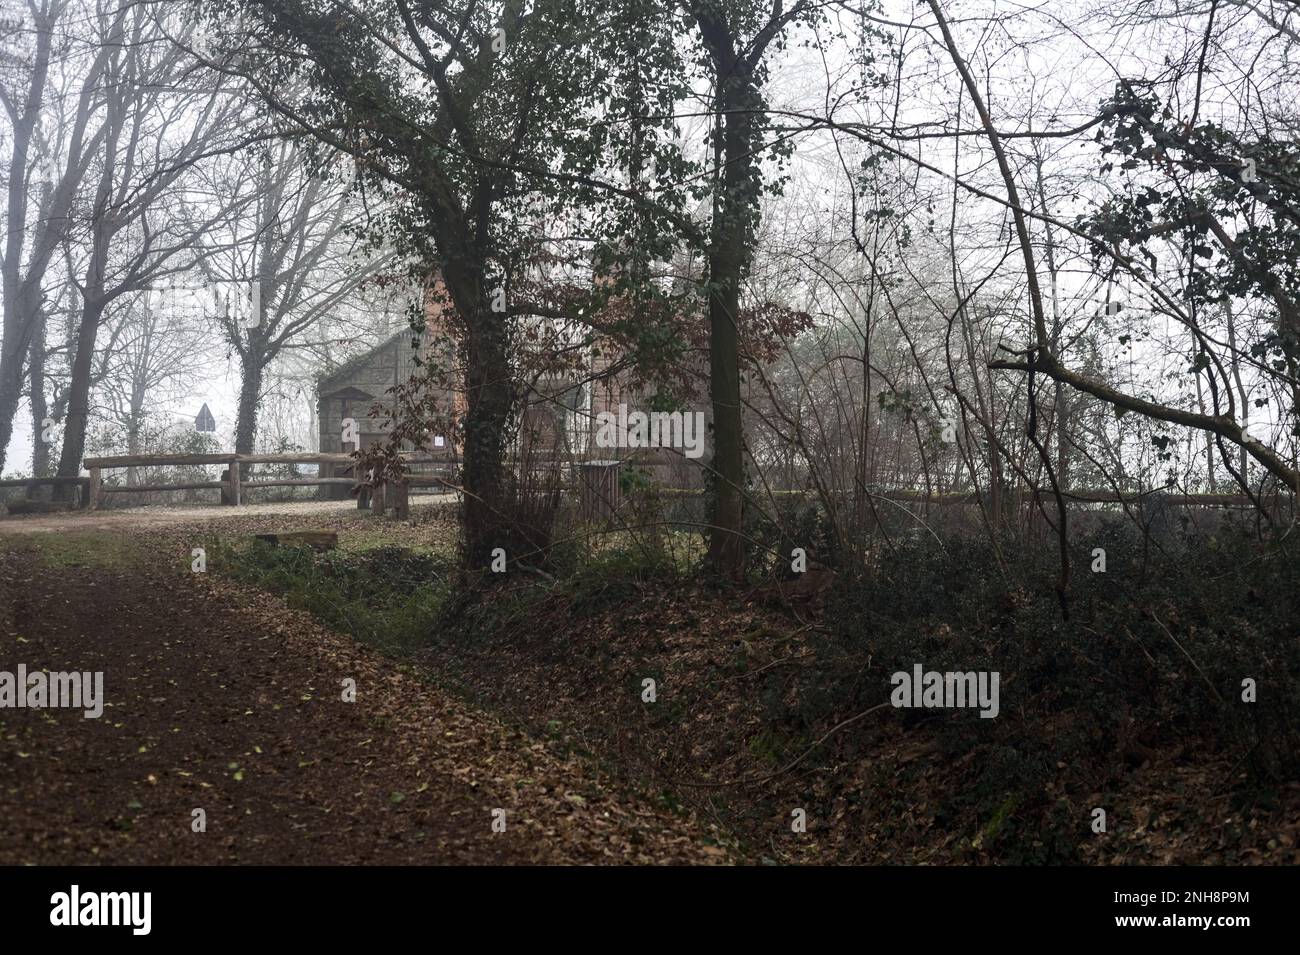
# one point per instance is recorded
(388, 596)
(1151, 657)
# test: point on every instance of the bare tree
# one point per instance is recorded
(287, 262)
(160, 115)
(152, 353)
(33, 230)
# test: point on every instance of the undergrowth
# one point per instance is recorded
(389, 597)
(1151, 663)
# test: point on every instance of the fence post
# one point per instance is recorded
(233, 487)
(92, 490)
(402, 502)
(377, 499)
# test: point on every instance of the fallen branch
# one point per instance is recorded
(793, 763)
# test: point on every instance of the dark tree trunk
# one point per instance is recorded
(726, 546)
(10, 394)
(22, 295)
(40, 410)
(253, 365)
(490, 401)
(13, 360)
(74, 428)
(134, 425)
(730, 252)
(93, 303)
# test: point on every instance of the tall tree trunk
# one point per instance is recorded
(74, 427)
(93, 304)
(21, 309)
(21, 294)
(726, 547)
(39, 407)
(134, 425)
(490, 402)
(11, 389)
(253, 368)
(730, 249)
(1242, 398)
(1060, 403)
(132, 448)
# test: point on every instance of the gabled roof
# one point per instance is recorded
(328, 384)
(351, 394)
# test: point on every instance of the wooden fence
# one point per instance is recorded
(597, 482)
(231, 483)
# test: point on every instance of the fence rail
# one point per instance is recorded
(597, 482)
(231, 483)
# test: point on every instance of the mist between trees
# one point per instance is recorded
(929, 269)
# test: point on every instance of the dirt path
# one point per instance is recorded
(220, 699)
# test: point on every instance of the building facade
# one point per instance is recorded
(566, 416)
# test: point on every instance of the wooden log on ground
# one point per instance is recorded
(316, 540)
(807, 587)
(377, 500)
